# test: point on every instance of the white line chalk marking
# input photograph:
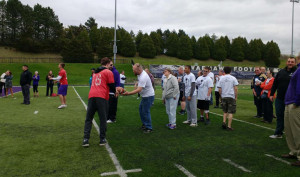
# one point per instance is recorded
(120, 171)
(236, 165)
(279, 159)
(185, 171)
(36, 112)
(245, 122)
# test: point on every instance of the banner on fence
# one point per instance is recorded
(237, 71)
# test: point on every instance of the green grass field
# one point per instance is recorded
(40, 140)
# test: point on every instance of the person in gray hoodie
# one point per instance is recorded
(170, 97)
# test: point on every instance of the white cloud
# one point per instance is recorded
(265, 19)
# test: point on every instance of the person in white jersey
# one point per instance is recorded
(190, 97)
(122, 79)
(146, 91)
(217, 94)
(205, 85)
(228, 91)
(212, 76)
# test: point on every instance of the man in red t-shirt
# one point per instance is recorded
(63, 89)
(102, 83)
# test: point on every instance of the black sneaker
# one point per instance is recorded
(102, 142)
(85, 143)
(224, 126)
(147, 130)
(216, 107)
(143, 127)
(181, 112)
(207, 122)
(201, 119)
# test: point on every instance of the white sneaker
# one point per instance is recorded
(62, 106)
(109, 121)
(275, 136)
(193, 125)
(186, 122)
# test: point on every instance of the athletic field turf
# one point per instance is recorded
(40, 140)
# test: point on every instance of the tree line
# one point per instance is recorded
(38, 29)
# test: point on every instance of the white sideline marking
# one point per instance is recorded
(279, 159)
(120, 171)
(245, 122)
(185, 171)
(236, 165)
(36, 112)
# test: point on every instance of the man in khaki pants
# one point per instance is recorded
(292, 117)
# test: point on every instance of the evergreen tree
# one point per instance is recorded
(147, 48)
(204, 53)
(79, 49)
(227, 46)
(194, 46)
(105, 44)
(3, 22)
(128, 47)
(209, 41)
(185, 50)
(172, 44)
(237, 53)
(90, 23)
(254, 51)
(94, 35)
(13, 17)
(272, 54)
(138, 40)
(157, 42)
(220, 49)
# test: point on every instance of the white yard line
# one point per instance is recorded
(185, 171)
(120, 171)
(245, 122)
(279, 159)
(237, 166)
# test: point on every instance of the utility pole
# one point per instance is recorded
(115, 50)
(292, 50)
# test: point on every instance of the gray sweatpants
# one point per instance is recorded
(191, 109)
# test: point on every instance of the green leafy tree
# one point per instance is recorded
(185, 50)
(147, 48)
(172, 44)
(272, 54)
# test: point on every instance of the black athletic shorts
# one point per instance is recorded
(203, 104)
(180, 95)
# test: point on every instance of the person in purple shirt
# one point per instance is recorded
(292, 117)
(35, 84)
(113, 99)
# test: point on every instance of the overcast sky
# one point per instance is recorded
(265, 19)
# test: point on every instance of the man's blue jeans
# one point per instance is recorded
(144, 109)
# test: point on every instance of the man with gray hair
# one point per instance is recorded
(146, 91)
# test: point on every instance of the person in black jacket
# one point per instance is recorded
(281, 84)
(50, 83)
(255, 86)
(25, 81)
